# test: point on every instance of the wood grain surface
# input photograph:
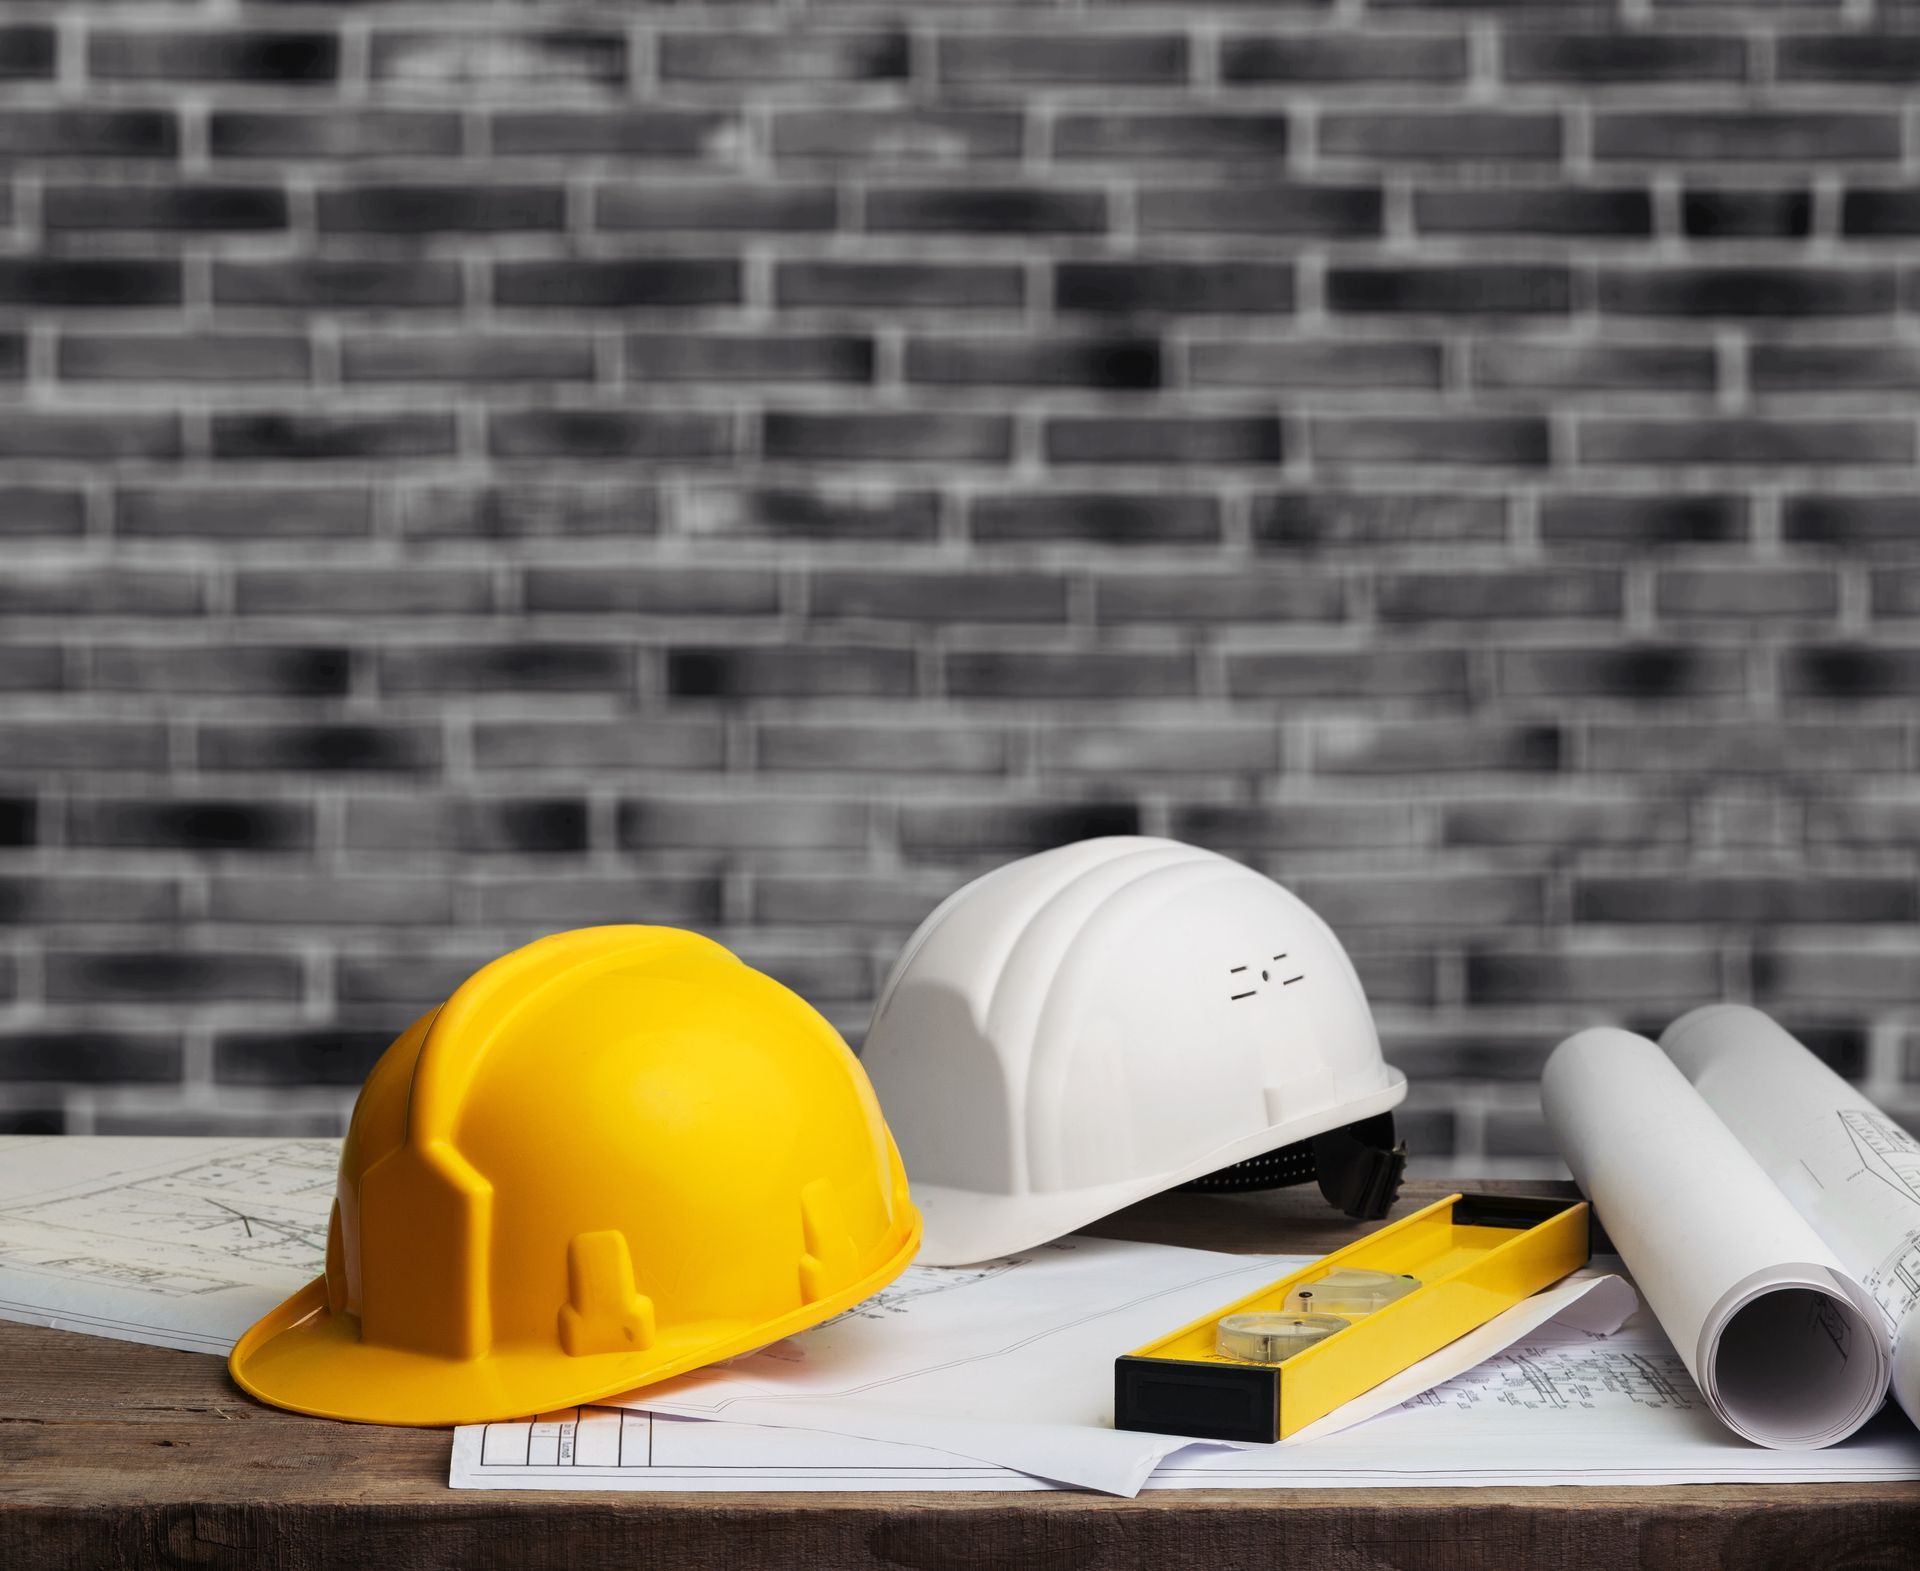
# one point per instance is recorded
(112, 1454)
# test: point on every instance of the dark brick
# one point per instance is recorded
(89, 436)
(729, 822)
(1747, 592)
(13, 356)
(1332, 363)
(749, 357)
(943, 136)
(1450, 899)
(275, 134)
(1075, 673)
(466, 357)
(1487, 288)
(167, 976)
(834, 513)
(195, 207)
(1881, 212)
(468, 57)
(1010, 828)
(91, 1056)
(420, 208)
(800, 55)
(992, 210)
(929, 436)
(27, 52)
(89, 133)
(29, 668)
(1417, 748)
(608, 433)
(1442, 135)
(1651, 672)
(1748, 291)
(243, 512)
(174, 358)
(1744, 898)
(1547, 593)
(1431, 439)
(1102, 518)
(179, 54)
(584, 283)
(1293, 826)
(1533, 210)
(1877, 56)
(954, 286)
(1026, 361)
(41, 510)
(789, 671)
(1842, 672)
(1302, 520)
(1344, 57)
(1261, 209)
(88, 281)
(1755, 137)
(1622, 57)
(1749, 440)
(318, 1055)
(1587, 366)
(1878, 522)
(660, 590)
(1723, 214)
(542, 507)
(787, 208)
(1384, 672)
(320, 748)
(995, 60)
(317, 283)
(1633, 821)
(1164, 439)
(19, 819)
(1862, 367)
(931, 597)
(552, 825)
(281, 670)
(1578, 971)
(1167, 286)
(195, 824)
(1122, 136)
(639, 742)
(615, 133)
(1638, 520)
(304, 435)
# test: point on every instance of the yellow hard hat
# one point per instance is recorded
(612, 1156)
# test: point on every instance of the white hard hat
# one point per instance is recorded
(1086, 1027)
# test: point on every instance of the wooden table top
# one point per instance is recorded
(114, 1454)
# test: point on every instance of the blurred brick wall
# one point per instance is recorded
(474, 470)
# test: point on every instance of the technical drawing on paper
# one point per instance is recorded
(1895, 1281)
(922, 1282)
(1569, 1378)
(1886, 1150)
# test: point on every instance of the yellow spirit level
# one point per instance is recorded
(1472, 1256)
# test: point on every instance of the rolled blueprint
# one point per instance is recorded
(1850, 1170)
(1785, 1346)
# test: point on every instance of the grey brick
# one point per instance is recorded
(1483, 289)
(832, 746)
(524, 665)
(615, 133)
(198, 207)
(664, 590)
(883, 435)
(1027, 361)
(1448, 899)
(1442, 135)
(102, 591)
(927, 597)
(325, 1055)
(608, 433)
(180, 54)
(1164, 439)
(98, 1056)
(939, 136)
(1010, 828)
(1895, 592)
(574, 901)
(1631, 821)
(1849, 367)
(1430, 439)
(27, 668)
(612, 742)
(789, 671)
(489, 359)
(741, 822)
(911, 285)
(1416, 748)
(469, 57)
(1542, 593)
(1169, 286)
(85, 356)
(28, 52)
(1747, 592)
(991, 210)
(329, 899)
(1077, 673)
(997, 60)
(1738, 748)
(275, 134)
(1380, 672)
(477, 825)
(1594, 366)
(543, 508)
(786, 208)
(1265, 209)
(1600, 58)
(1888, 521)
(89, 133)
(242, 511)
(1799, 971)
(1727, 214)
(355, 592)
(61, 745)
(1756, 137)
(831, 512)
(1240, 594)
(896, 900)
(89, 436)
(1102, 518)
(420, 207)
(1655, 672)
(189, 823)
(1581, 970)
(1344, 57)
(101, 976)
(1296, 520)
(27, 510)
(1572, 211)
(749, 357)
(316, 283)
(785, 56)
(1877, 56)
(1294, 826)
(1121, 135)
(70, 899)
(1746, 440)
(321, 747)
(1863, 821)
(1748, 291)
(1333, 363)
(584, 283)
(1742, 898)
(303, 435)
(280, 670)
(1635, 520)
(1163, 747)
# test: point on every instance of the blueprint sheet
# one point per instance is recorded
(176, 1242)
(1562, 1407)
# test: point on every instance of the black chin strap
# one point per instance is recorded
(1358, 1166)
